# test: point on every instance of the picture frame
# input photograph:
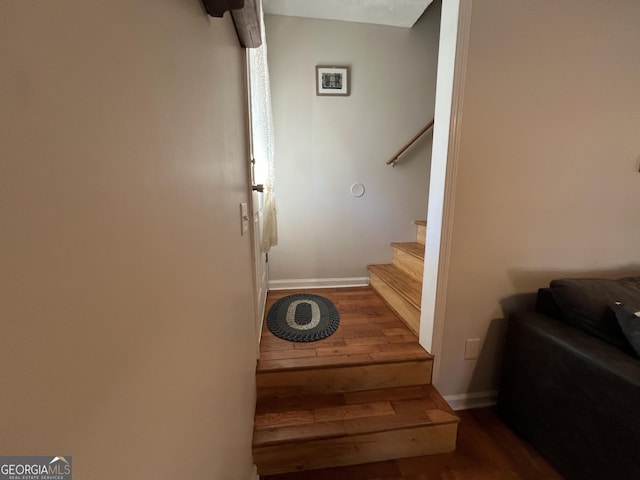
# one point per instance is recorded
(333, 81)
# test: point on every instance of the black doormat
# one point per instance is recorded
(303, 317)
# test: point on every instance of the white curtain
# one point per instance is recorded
(262, 136)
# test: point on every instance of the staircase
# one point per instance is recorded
(400, 283)
(362, 395)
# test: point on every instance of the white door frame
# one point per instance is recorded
(455, 23)
(260, 265)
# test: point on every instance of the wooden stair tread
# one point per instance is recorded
(398, 352)
(357, 413)
(412, 248)
(405, 285)
(421, 222)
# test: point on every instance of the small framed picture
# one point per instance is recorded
(332, 80)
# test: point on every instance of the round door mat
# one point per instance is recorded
(303, 317)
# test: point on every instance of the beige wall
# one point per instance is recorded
(325, 144)
(548, 181)
(125, 287)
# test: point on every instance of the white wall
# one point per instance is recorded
(548, 181)
(125, 287)
(325, 144)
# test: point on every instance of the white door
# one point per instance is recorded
(261, 270)
(257, 169)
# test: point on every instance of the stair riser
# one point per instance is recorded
(344, 379)
(421, 235)
(356, 449)
(405, 310)
(410, 264)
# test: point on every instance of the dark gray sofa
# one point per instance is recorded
(571, 385)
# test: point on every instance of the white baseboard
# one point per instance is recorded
(318, 283)
(466, 401)
(254, 474)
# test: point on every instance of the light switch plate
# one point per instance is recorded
(244, 218)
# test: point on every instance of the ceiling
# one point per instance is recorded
(397, 13)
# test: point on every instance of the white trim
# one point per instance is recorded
(460, 70)
(466, 401)
(254, 474)
(300, 283)
(456, 19)
(259, 300)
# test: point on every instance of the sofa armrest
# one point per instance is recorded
(573, 396)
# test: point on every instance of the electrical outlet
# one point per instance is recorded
(471, 348)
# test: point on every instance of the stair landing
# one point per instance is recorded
(369, 332)
(370, 338)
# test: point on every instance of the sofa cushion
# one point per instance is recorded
(629, 320)
(546, 305)
(586, 304)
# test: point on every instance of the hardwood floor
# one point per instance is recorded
(487, 450)
(372, 348)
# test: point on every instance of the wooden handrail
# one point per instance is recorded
(394, 159)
